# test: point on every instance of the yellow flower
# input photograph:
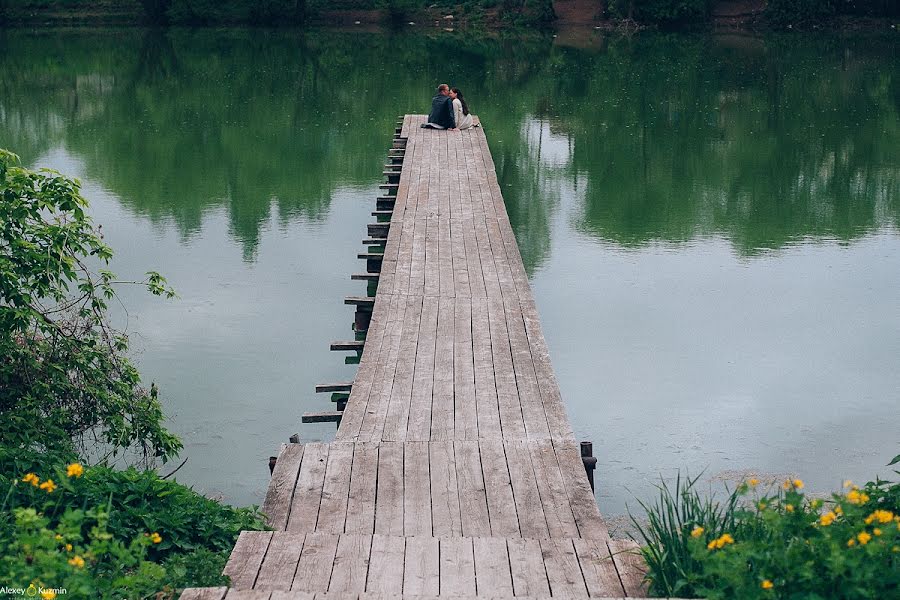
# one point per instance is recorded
(798, 484)
(696, 532)
(789, 507)
(856, 497)
(720, 542)
(864, 538)
(711, 545)
(838, 510)
(155, 538)
(726, 538)
(32, 479)
(753, 482)
(74, 470)
(48, 594)
(766, 584)
(827, 519)
(761, 506)
(876, 531)
(882, 516)
(815, 503)
(895, 549)
(48, 485)
(786, 485)
(77, 562)
(848, 483)
(851, 542)
(58, 537)
(68, 547)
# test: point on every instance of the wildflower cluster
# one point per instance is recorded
(776, 542)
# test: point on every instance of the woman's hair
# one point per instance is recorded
(459, 96)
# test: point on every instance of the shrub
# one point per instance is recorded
(133, 533)
(65, 381)
(778, 543)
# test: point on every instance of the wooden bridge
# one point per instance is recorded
(454, 471)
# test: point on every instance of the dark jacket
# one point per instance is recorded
(442, 112)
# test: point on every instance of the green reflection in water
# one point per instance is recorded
(670, 137)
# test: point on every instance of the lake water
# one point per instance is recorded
(711, 226)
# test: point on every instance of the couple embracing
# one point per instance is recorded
(449, 110)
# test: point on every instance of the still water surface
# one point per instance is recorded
(711, 226)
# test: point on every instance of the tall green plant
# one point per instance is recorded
(66, 384)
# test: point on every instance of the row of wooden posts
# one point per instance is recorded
(375, 243)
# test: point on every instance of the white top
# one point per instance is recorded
(462, 121)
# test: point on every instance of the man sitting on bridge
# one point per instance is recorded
(441, 115)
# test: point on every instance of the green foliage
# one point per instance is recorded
(796, 12)
(164, 534)
(64, 379)
(777, 543)
(660, 11)
(43, 557)
(138, 501)
(400, 11)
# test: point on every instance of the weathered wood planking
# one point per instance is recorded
(454, 473)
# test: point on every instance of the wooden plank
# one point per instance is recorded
(397, 417)
(442, 408)
(563, 570)
(512, 422)
(527, 498)
(445, 259)
(215, 593)
(630, 567)
(351, 565)
(365, 375)
(551, 486)
(457, 570)
(487, 403)
(526, 562)
(498, 489)
(418, 266)
(336, 488)
(308, 491)
(389, 499)
(316, 563)
(234, 594)
(379, 398)
(361, 499)
(386, 565)
(598, 568)
(492, 570)
(419, 427)
(472, 499)
(526, 380)
(416, 489)
(446, 516)
(246, 558)
(581, 497)
(432, 256)
(292, 596)
(473, 260)
(421, 574)
(277, 503)
(280, 564)
(464, 392)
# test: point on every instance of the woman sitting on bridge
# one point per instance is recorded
(461, 115)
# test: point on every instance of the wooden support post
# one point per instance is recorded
(294, 439)
(590, 462)
(361, 319)
(365, 276)
(379, 230)
(354, 345)
(385, 203)
(328, 416)
(341, 386)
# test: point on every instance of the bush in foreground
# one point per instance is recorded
(106, 533)
(774, 543)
